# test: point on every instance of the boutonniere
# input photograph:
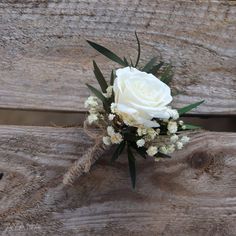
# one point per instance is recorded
(133, 111)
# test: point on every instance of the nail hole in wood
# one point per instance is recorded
(1, 175)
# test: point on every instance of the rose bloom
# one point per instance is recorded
(140, 97)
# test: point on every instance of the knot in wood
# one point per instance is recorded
(201, 160)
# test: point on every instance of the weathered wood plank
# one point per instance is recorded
(45, 60)
(194, 193)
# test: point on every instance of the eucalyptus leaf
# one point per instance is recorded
(99, 76)
(118, 151)
(139, 50)
(107, 53)
(132, 168)
(188, 108)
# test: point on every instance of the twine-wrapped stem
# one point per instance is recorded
(84, 163)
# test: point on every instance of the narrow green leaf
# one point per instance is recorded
(175, 93)
(107, 53)
(188, 108)
(139, 50)
(126, 62)
(142, 152)
(167, 75)
(118, 151)
(99, 95)
(191, 127)
(149, 65)
(99, 76)
(156, 68)
(112, 78)
(132, 168)
(131, 62)
(162, 155)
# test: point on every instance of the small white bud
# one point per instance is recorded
(92, 118)
(109, 91)
(181, 122)
(111, 117)
(185, 139)
(110, 130)
(152, 150)
(174, 138)
(179, 145)
(172, 127)
(91, 101)
(141, 131)
(106, 140)
(170, 148)
(113, 107)
(116, 138)
(140, 142)
(163, 149)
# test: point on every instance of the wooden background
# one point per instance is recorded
(44, 64)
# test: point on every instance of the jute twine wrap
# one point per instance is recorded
(84, 163)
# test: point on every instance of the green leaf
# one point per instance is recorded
(112, 78)
(191, 127)
(139, 50)
(126, 62)
(99, 95)
(142, 152)
(100, 78)
(132, 168)
(149, 65)
(162, 155)
(167, 75)
(118, 151)
(175, 93)
(188, 108)
(107, 53)
(156, 68)
(131, 62)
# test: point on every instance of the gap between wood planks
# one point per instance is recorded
(68, 119)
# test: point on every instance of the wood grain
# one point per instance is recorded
(193, 193)
(45, 61)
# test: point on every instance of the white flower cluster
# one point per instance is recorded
(165, 144)
(113, 137)
(94, 109)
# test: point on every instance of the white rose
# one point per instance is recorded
(140, 97)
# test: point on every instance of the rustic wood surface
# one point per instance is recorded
(45, 61)
(193, 193)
